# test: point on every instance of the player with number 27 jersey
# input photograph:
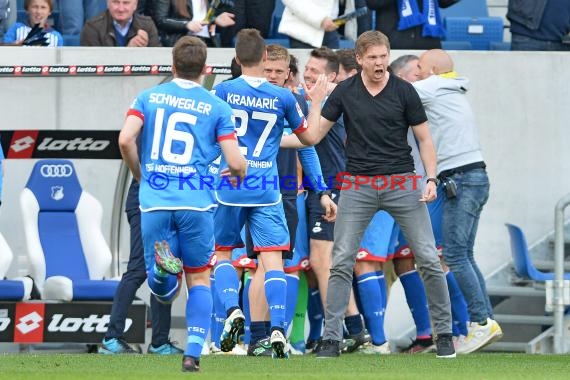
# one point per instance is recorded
(260, 110)
(180, 131)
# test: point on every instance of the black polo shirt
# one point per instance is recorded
(376, 126)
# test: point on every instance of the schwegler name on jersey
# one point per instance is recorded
(260, 110)
(182, 123)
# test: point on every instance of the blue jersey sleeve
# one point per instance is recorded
(225, 128)
(294, 115)
(312, 167)
(137, 107)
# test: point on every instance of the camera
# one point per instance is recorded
(450, 188)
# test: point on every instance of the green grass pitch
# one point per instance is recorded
(354, 366)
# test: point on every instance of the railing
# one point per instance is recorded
(560, 287)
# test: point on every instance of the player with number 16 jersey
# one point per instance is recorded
(182, 124)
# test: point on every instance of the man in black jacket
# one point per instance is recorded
(423, 34)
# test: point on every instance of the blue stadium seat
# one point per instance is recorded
(467, 8)
(278, 41)
(500, 46)
(68, 254)
(521, 257)
(21, 16)
(478, 31)
(275, 20)
(346, 44)
(17, 289)
(71, 39)
(456, 45)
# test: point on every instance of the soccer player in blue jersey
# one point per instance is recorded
(260, 110)
(182, 128)
(276, 69)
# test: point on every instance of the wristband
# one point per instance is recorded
(432, 179)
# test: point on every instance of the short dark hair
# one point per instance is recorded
(347, 58)
(371, 38)
(235, 68)
(189, 57)
(328, 54)
(399, 63)
(250, 47)
(293, 65)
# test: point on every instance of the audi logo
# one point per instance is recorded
(51, 171)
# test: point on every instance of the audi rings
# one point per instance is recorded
(56, 171)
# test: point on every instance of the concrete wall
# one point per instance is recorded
(521, 101)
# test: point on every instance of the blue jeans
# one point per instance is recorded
(524, 43)
(459, 228)
(132, 279)
(74, 13)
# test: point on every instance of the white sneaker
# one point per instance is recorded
(371, 349)
(279, 345)
(238, 350)
(232, 326)
(479, 336)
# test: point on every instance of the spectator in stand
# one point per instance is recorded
(407, 25)
(315, 28)
(256, 14)
(539, 24)
(4, 16)
(177, 18)
(119, 25)
(74, 13)
(38, 12)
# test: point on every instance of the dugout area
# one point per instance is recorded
(520, 106)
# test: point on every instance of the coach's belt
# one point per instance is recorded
(461, 169)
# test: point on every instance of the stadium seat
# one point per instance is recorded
(502, 45)
(278, 41)
(17, 289)
(275, 20)
(524, 267)
(68, 254)
(466, 8)
(71, 39)
(346, 44)
(480, 32)
(456, 45)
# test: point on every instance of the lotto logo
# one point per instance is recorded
(29, 321)
(22, 144)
